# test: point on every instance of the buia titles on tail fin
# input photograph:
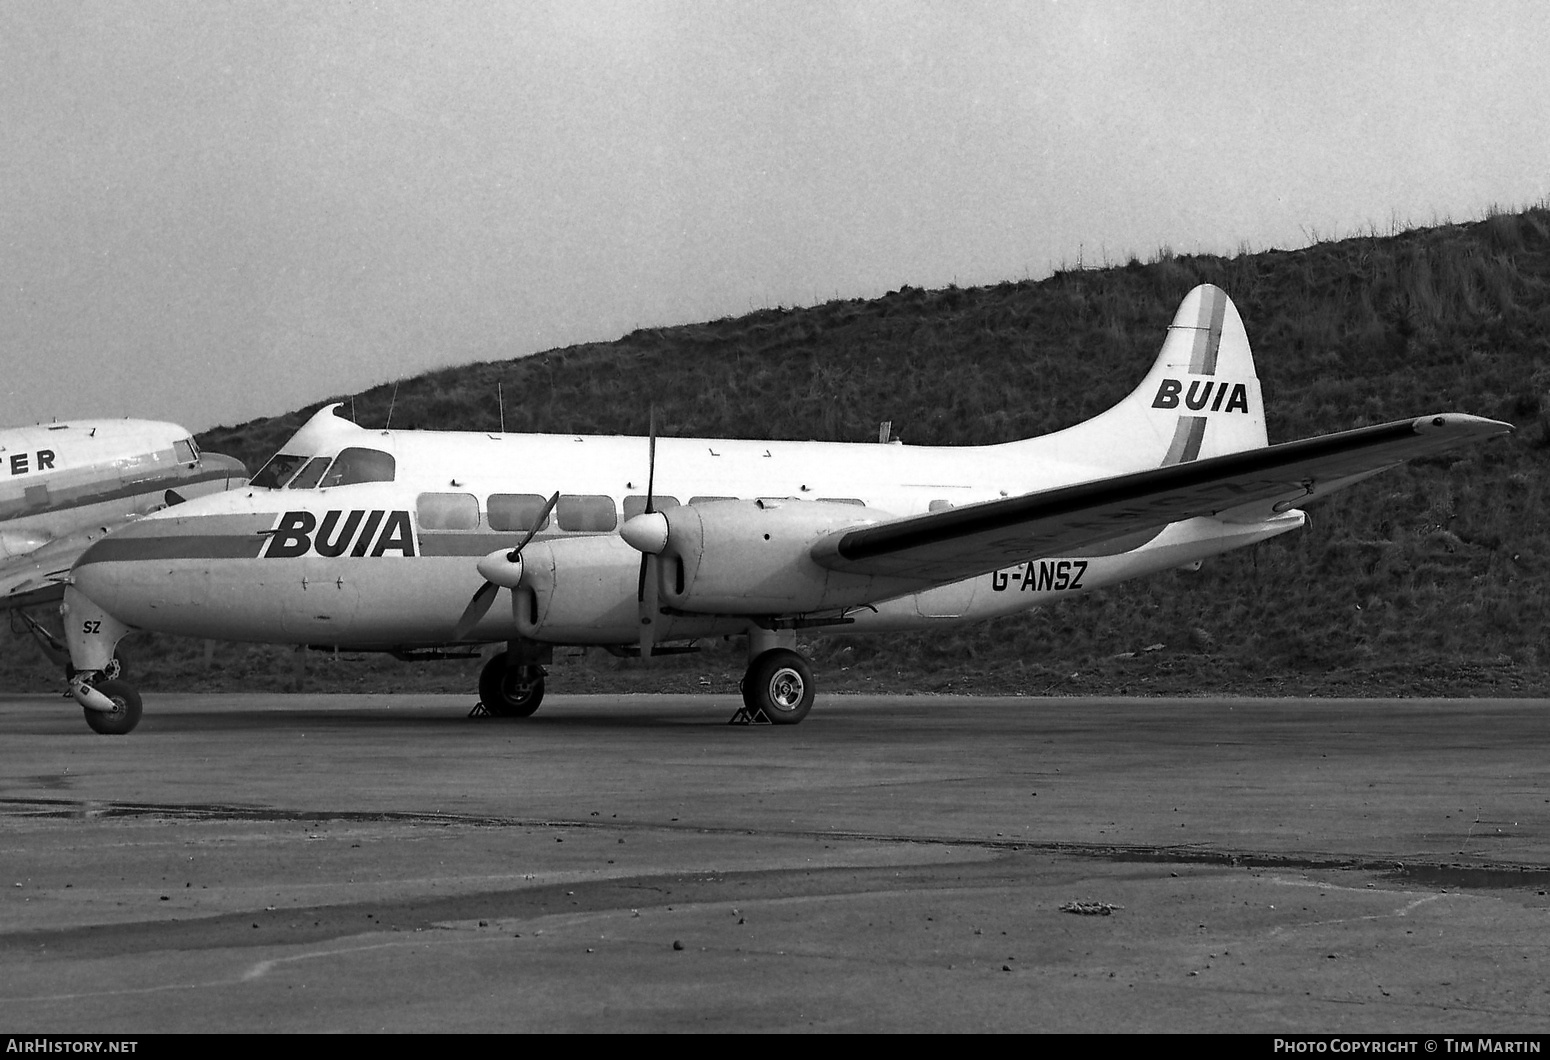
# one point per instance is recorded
(1200, 399)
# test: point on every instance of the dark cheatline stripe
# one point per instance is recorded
(1208, 337)
(433, 543)
(191, 546)
(1187, 437)
(82, 496)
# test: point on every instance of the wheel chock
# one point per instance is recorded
(746, 716)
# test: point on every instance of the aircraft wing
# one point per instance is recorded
(1246, 486)
(38, 577)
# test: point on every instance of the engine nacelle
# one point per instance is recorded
(20, 542)
(753, 558)
(578, 590)
(583, 590)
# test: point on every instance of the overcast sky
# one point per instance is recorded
(212, 211)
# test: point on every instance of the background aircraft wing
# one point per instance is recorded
(1244, 487)
(38, 577)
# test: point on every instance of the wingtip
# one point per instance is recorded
(1461, 423)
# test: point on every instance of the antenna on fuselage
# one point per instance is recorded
(391, 402)
(500, 401)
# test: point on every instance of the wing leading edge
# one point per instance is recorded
(1245, 486)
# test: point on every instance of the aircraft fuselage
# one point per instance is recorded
(340, 565)
(64, 485)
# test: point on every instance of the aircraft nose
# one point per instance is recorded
(234, 468)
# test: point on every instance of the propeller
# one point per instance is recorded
(500, 569)
(648, 533)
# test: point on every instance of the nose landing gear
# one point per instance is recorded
(111, 705)
(112, 708)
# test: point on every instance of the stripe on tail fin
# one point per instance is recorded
(1200, 399)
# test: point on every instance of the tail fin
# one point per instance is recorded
(1200, 399)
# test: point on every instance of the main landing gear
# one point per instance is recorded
(511, 685)
(778, 683)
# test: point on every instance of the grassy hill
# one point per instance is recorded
(1429, 579)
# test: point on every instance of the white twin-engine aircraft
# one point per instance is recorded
(402, 540)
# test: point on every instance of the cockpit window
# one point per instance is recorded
(186, 451)
(278, 471)
(308, 476)
(359, 465)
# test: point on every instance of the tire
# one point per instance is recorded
(126, 714)
(505, 694)
(780, 683)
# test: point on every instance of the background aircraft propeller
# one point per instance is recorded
(500, 568)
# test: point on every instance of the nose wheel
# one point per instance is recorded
(779, 684)
(112, 708)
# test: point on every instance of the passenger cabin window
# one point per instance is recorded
(707, 500)
(843, 500)
(355, 465)
(448, 511)
(588, 512)
(308, 476)
(633, 506)
(515, 511)
(278, 471)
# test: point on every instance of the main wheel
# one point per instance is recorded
(510, 691)
(780, 683)
(126, 709)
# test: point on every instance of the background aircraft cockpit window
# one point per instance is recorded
(360, 465)
(585, 511)
(186, 451)
(633, 506)
(515, 511)
(308, 476)
(448, 511)
(278, 471)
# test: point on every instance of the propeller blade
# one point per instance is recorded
(648, 603)
(478, 605)
(646, 591)
(538, 524)
(651, 464)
